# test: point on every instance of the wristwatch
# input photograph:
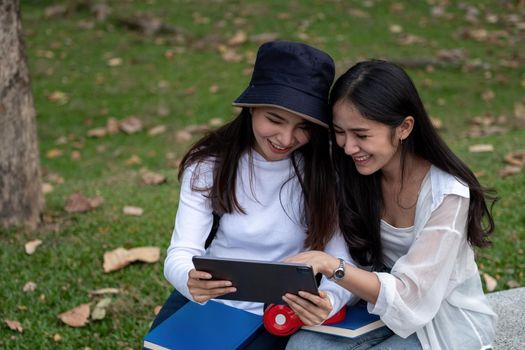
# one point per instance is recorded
(339, 272)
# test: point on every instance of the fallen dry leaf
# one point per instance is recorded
(115, 259)
(47, 188)
(55, 178)
(76, 317)
(488, 95)
(151, 178)
(481, 148)
(103, 291)
(358, 13)
(436, 122)
(229, 54)
(215, 122)
(96, 201)
(59, 97)
(144, 254)
(75, 155)
(130, 125)
(490, 282)
(31, 246)
(97, 132)
(238, 38)
(156, 310)
(133, 211)
(77, 203)
(14, 325)
(112, 126)
(395, 28)
(480, 173)
(99, 311)
(157, 130)
(163, 110)
(513, 284)
(54, 153)
(134, 159)
(510, 170)
(120, 257)
(516, 158)
(264, 37)
(29, 287)
(182, 136)
(115, 62)
(214, 88)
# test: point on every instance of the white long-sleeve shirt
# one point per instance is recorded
(271, 229)
(434, 288)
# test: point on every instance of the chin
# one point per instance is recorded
(365, 171)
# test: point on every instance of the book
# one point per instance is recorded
(201, 327)
(357, 322)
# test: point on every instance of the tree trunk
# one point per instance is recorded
(21, 198)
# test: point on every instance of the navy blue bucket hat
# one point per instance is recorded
(291, 76)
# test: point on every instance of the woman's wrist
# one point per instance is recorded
(331, 264)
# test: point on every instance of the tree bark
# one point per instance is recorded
(21, 198)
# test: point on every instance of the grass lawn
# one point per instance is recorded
(90, 64)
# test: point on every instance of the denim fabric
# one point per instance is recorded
(395, 342)
(263, 341)
(303, 340)
(380, 339)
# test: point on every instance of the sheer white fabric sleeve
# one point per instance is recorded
(338, 295)
(411, 294)
(193, 223)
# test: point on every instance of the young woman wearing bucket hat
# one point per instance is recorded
(267, 175)
(413, 211)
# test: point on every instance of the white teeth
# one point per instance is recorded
(277, 147)
(360, 159)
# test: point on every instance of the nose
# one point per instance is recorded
(350, 146)
(287, 137)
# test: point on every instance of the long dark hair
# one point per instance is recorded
(383, 92)
(226, 145)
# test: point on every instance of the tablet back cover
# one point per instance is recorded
(259, 281)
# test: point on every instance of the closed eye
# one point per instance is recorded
(274, 120)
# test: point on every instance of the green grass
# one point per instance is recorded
(64, 57)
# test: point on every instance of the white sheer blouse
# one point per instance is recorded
(434, 288)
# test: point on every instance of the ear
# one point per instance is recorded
(405, 128)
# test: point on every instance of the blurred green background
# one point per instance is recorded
(176, 66)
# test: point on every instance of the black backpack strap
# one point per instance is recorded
(213, 231)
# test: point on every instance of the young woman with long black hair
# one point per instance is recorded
(267, 175)
(411, 212)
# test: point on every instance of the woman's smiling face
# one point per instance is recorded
(278, 132)
(372, 145)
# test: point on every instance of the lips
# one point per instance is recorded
(361, 159)
(278, 149)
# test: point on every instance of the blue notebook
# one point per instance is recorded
(357, 322)
(200, 327)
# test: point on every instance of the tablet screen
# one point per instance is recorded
(259, 281)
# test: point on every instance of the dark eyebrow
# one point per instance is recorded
(352, 129)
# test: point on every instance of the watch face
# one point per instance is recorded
(339, 274)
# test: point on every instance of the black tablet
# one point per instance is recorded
(259, 281)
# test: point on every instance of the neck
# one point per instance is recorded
(412, 167)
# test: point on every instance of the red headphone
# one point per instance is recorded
(281, 320)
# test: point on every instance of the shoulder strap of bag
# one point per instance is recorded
(213, 231)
